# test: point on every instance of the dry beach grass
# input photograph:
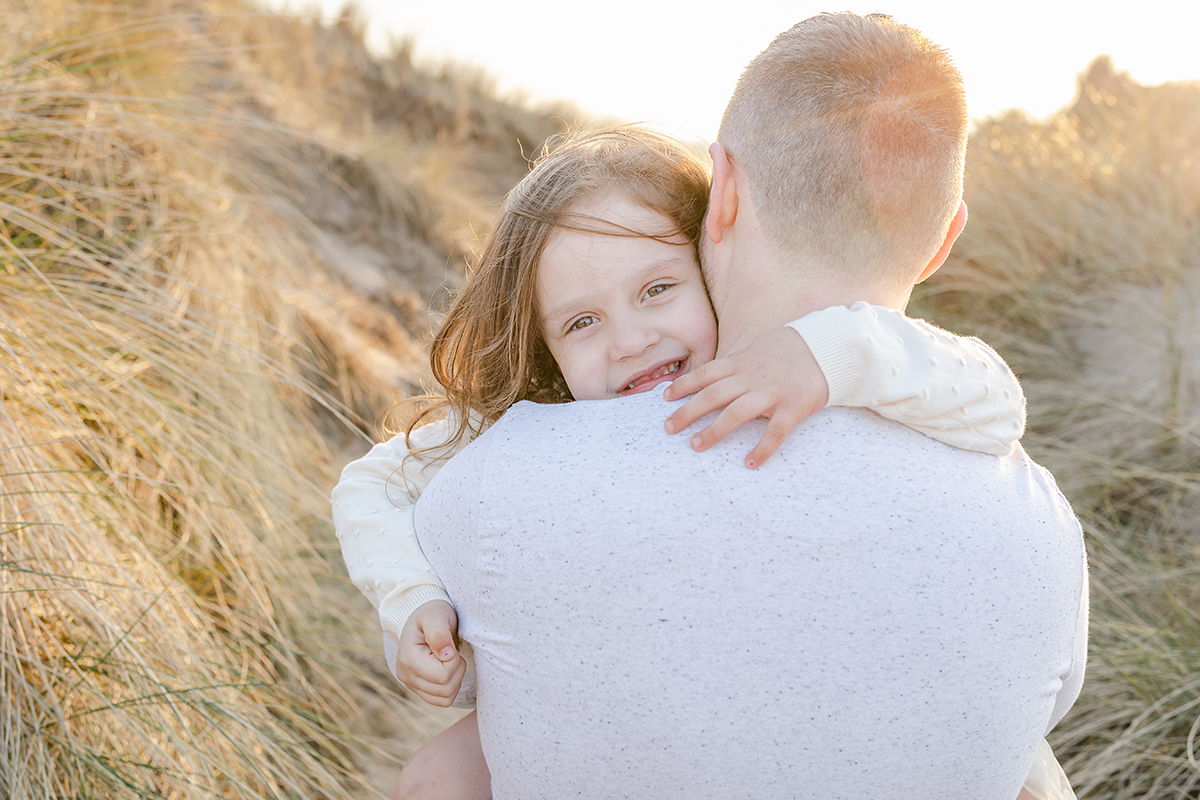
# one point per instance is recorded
(220, 235)
(175, 340)
(158, 492)
(1081, 263)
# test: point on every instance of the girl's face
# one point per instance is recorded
(622, 314)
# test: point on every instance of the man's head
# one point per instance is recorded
(847, 136)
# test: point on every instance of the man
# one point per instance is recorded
(870, 614)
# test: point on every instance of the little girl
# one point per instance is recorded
(588, 288)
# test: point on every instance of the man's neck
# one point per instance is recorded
(744, 315)
(760, 287)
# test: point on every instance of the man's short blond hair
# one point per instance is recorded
(852, 131)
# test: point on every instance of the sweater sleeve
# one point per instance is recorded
(955, 389)
(373, 518)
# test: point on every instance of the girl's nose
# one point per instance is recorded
(633, 340)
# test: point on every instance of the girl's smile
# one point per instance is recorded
(622, 312)
(647, 379)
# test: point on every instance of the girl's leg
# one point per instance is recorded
(449, 766)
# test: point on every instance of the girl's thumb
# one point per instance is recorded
(441, 642)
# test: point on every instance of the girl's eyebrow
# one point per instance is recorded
(645, 274)
(561, 313)
(562, 310)
(573, 304)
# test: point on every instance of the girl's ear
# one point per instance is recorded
(722, 197)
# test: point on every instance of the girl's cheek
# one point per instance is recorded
(568, 359)
(711, 341)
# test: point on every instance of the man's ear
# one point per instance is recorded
(956, 226)
(722, 197)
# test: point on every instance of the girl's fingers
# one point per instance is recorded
(718, 395)
(434, 700)
(699, 378)
(432, 693)
(777, 430)
(439, 692)
(737, 413)
(427, 667)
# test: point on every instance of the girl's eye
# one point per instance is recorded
(582, 322)
(657, 289)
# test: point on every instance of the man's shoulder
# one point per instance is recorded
(586, 412)
(623, 441)
(530, 433)
(635, 424)
(583, 423)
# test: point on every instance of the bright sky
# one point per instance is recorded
(675, 63)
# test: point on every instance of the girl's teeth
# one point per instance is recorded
(670, 370)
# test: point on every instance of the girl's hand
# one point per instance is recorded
(776, 376)
(429, 662)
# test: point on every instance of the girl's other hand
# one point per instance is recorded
(776, 376)
(429, 662)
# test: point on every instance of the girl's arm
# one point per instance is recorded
(952, 388)
(955, 389)
(373, 517)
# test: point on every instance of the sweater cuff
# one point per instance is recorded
(823, 335)
(395, 611)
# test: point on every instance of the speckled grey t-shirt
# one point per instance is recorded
(870, 615)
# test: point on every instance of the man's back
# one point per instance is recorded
(872, 614)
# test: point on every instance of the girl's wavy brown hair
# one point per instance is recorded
(489, 352)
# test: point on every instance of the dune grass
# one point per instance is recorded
(164, 367)
(181, 332)
(1081, 263)
(161, 481)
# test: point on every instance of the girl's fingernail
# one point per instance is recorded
(750, 464)
(670, 426)
(446, 653)
(696, 442)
